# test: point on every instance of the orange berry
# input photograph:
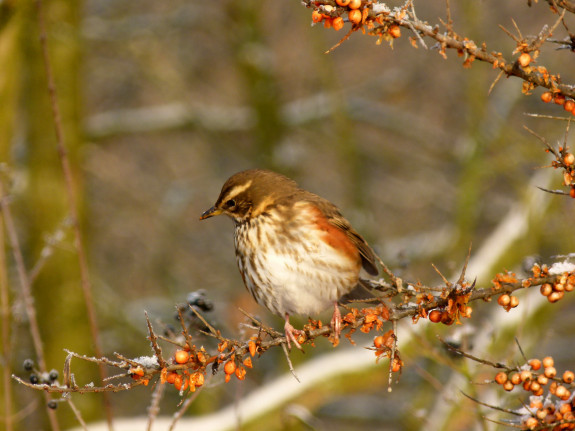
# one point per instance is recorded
(316, 16)
(394, 31)
(535, 386)
(178, 382)
(337, 23)
(572, 192)
(569, 159)
(550, 372)
(379, 341)
(182, 356)
(513, 301)
(501, 378)
(248, 362)
(524, 59)
(354, 4)
(547, 97)
(342, 3)
(555, 296)
(230, 367)
(240, 373)
(435, 316)
(569, 105)
(542, 380)
(564, 408)
(525, 375)
(137, 371)
(354, 16)
(562, 392)
(504, 300)
(568, 376)
(531, 423)
(197, 379)
(447, 319)
(508, 386)
(515, 378)
(559, 99)
(252, 347)
(327, 23)
(553, 387)
(546, 289)
(535, 364)
(171, 377)
(396, 366)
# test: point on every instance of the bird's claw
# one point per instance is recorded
(292, 334)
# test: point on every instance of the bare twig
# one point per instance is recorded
(512, 412)
(290, 365)
(26, 290)
(474, 358)
(185, 405)
(72, 201)
(154, 341)
(77, 413)
(6, 315)
(154, 408)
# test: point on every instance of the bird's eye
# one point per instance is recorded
(231, 203)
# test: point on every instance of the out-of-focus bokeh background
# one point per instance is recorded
(162, 101)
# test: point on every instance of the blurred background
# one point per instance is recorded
(162, 101)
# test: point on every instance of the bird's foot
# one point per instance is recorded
(336, 324)
(292, 334)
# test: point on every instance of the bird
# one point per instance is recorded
(295, 252)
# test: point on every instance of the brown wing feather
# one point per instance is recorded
(335, 218)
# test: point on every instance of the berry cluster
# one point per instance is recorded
(187, 378)
(446, 317)
(356, 12)
(456, 307)
(187, 368)
(559, 99)
(554, 291)
(330, 16)
(551, 402)
(566, 161)
(383, 345)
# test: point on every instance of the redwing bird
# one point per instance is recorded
(295, 251)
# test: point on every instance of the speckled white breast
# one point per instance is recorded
(290, 269)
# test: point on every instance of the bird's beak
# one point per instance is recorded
(213, 211)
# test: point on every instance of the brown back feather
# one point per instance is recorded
(335, 218)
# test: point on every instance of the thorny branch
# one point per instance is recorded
(380, 20)
(446, 304)
(551, 403)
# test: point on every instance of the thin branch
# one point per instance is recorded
(154, 341)
(290, 365)
(6, 314)
(154, 408)
(185, 406)
(72, 201)
(511, 412)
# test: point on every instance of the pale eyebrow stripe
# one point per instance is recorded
(238, 189)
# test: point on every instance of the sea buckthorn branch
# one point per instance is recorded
(377, 19)
(188, 367)
(564, 159)
(551, 402)
(569, 6)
